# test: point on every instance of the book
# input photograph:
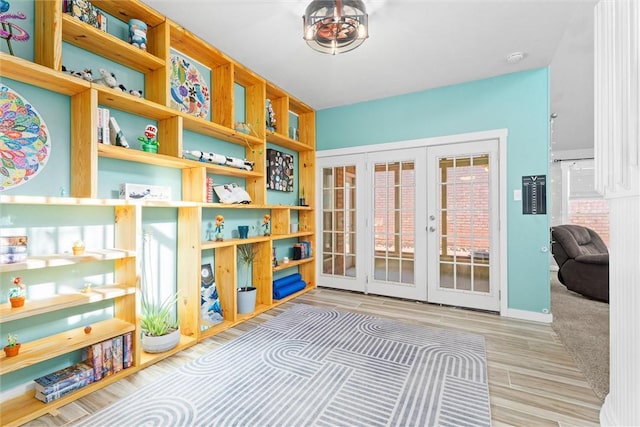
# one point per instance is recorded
(56, 381)
(100, 126)
(107, 358)
(127, 350)
(117, 353)
(106, 133)
(117, 136)
(209, 189)
(50, 397)
(94, 359)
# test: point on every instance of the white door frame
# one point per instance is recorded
(499, 134)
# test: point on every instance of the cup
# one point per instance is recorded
(293, 228)
(243, 231)
(138, 33)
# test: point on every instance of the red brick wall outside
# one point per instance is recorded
(591, 213)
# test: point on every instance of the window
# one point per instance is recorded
(581, 203)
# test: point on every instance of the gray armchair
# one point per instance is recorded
(583, 260)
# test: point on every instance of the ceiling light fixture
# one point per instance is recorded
(335, 26)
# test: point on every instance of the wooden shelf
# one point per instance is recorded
(286, 142)
(139, 156)
(125, 10)
(291, 263)
(292, 296)
(63, 301)
(101, 43)
(147, 359)
(292, 235)
(233, 242)
(119, 100)
(28, 72)
(26, 407)
(174, 128)
(55, 345)
(35, 262)
(216, 130)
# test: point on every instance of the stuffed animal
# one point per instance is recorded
(109, 79)
(85, 74)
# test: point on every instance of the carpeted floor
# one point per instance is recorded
(316, 366)
(583, 326)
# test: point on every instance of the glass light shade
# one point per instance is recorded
(335, 26)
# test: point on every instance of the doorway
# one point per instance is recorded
(420, 223)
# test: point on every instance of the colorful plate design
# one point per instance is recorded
(189, 90)
(25, 143)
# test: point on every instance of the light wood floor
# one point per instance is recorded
(533, 381)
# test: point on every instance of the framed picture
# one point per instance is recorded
(280, 170)
(210, 308)
(188, 82)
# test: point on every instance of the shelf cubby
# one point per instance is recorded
(55, 345)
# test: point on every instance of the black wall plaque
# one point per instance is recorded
(534, 195)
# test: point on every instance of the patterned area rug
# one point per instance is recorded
(312, 366)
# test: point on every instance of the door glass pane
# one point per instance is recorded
(339, 220)
(394, 222)
(464, 223)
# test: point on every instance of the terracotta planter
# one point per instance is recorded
(78, 250)
(12, 351)
(17, 301)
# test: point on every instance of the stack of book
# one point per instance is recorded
(302, 250)
(104, 136)
(101, 360)
(110, 356)
(60, 383)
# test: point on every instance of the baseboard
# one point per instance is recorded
(527, 315)
(607, 417)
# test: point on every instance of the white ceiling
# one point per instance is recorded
(413, 45)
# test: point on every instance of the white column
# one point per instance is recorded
(617, 154)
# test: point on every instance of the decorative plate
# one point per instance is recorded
(25, 143)
(189, 90)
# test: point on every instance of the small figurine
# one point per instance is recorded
(109, 79)
(137, 93)
(85, 74)
(149, 141)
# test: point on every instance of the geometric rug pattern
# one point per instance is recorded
(312, 366)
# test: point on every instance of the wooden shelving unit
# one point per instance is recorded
(52, 28)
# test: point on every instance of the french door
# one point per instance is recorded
(397, 249)
(463, 233)
(417, 223)
(341, 267)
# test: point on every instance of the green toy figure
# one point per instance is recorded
(149, 141)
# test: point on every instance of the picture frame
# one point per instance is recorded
(210, 308)
(280, 170)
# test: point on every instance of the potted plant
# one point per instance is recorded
(17, 293)
(160, 330)
(13, 346)
(78, 247)
(247, 293)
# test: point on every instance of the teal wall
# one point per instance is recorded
(518, 102)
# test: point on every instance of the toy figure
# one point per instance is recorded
(149, 141)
